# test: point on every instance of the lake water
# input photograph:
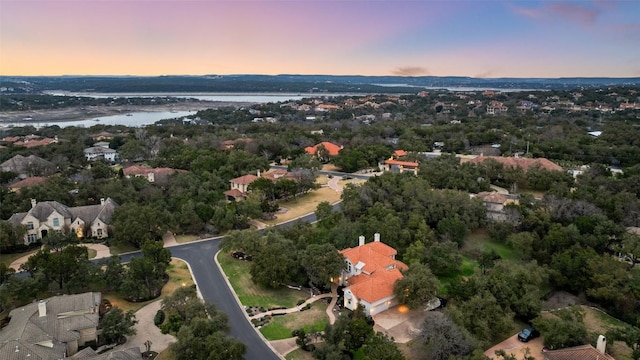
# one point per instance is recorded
(134, 119)
(258, 98)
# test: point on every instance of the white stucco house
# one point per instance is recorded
(369, 276)
(99, 153)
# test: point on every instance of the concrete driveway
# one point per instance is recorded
(516, 347)
(147, 330)
(102, 251)
(400, 323)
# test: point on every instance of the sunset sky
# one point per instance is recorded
(500, 38)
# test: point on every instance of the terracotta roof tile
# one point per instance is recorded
(244, 180)
(332, 148)
(28, 182)
(402, 163)
(520, 162)
(584, 352)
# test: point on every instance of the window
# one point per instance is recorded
(56, 222)
(31, 238)
(99, 232)
(30, 225)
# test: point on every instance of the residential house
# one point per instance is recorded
(28, 166)
(239, 187)
(520, 162)
(101, 153)
(51, 329)
(85, 221)
(495, 204)
(370, 274)
(401, 166)
(231, 144)
(332, 149)
(496, 107)
(26, 183)
(153, 175)
(583, 352)
(103, 135)
(29, 141)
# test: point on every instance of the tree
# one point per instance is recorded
(380, 346)
(10, 236)
(565, 329)
(441, 338)
(115, 324)
(137, 224)
(629, 335)
(417, 287)
(322, 263)
(274, 265)
(60, 266)
(203, 338)
(306, 161)
(145, 276)
(483, 317)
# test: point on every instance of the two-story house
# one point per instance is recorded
(85, 221)
(239, 187)
(370, 273)
(101, 151)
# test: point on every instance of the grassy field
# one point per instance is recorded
(251, 294)
(599, 323)
(7, 259)
(312, 320)
(299, 355)
(305, 204)
(478, 241)
(179, 276)
(186, 238)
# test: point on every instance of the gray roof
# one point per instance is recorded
(126, 354)
(44, 337)
(87, 213)
(98, 150)
(27, 165)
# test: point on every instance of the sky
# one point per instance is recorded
(477, 38)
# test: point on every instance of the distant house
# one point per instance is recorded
(495, 204)
(496, 107)
(26, 183)
(401, 166)
(85, 221)
(370, 274)
(231, 144)
(157, 175)
(51, 329)
(520, 162)
(239, 187)
(101, 153)
(103, 135)
(29, 141)
(28, 166)
(331, 148)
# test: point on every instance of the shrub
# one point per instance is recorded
(158, 319)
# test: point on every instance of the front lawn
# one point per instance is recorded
(179, 275)
(249, 293)
(478, 241)
(312, 320)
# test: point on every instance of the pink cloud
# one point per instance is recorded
(410, 71)
(577, 13)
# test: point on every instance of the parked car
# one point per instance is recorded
(528, 334)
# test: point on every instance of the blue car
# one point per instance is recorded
(528, 334)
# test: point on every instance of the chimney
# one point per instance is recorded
(102, 201)
(376, 237)
(601, 345)
(42, 308)
(33, 203)
(258, 173)
(361, 240)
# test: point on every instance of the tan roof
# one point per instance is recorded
(244, 180)
(520, 162)
(234, 193)
(380, 271)
(492, 197)
(584, 352)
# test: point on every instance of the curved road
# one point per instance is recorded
(213, 287)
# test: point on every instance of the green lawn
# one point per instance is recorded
(478, 241)
(299, 355)
(251, 294)
(312, 320)
(7, 259)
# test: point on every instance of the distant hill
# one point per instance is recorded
(292, 83)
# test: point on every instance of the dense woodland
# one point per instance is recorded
(571, 236)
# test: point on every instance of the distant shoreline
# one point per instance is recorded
(80, 113)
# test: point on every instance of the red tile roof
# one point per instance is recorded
(380, 272)
(244, 180)
(584, 352)
(520, 162)
(333, 149)
(492, 197)
(402, 163)
(400, 153)
(34, 143)
(28, 182)
(234, 193)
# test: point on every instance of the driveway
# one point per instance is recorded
(146, 330)
(102, 251)
(516, 347)
(400, 323)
